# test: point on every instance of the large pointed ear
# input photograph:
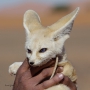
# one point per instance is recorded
(31, 21)
(63, 27)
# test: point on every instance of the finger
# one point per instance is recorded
(69, 83)
(59, 70)
(26, 75)
(35, 70)
(55, 80)
(66, 80)
(24, 67)
(44, 74)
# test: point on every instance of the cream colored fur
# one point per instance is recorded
(52, 38)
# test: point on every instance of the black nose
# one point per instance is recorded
(31, 63)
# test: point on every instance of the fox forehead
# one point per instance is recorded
(43, 32)
(39, 39)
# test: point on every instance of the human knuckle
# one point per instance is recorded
(45, 73)
(59, 69)
(67, 79)
(57, 75)
(56, 79)
(35, 88)
(22, 79)
(44, 85)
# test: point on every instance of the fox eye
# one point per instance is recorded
(43, 50)
(29, 51)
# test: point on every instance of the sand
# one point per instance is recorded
(77, 48)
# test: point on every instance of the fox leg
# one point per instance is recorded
(14, 67)
(68, 70)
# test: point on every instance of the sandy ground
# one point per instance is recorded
(77, 47)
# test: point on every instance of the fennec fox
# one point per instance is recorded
(44, 43)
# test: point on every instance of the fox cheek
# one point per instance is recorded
(28, 56)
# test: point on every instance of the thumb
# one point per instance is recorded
(24, 67)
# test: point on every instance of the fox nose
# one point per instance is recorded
(31, 63)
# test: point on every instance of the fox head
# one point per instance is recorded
(44, 43)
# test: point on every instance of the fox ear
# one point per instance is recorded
(31, 21)
(63, 27)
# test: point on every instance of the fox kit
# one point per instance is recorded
(44, 43)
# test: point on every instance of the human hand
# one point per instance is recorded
(25, 81)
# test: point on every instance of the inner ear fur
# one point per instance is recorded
(65, 20)
(63, 26)
(31, 21)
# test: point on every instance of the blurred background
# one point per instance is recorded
(12, 35)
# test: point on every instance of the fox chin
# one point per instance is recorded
(45, 43)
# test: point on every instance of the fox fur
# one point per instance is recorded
(44, 43)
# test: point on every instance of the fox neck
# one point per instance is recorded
(62, 57)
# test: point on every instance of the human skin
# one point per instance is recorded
(29, 78)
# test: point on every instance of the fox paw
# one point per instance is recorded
(13, 68)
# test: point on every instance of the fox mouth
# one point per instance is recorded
(49, 60)
(46, 61)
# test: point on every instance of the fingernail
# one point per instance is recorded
(61, 76)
